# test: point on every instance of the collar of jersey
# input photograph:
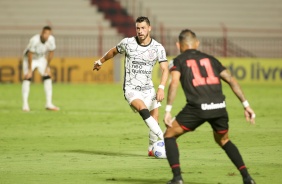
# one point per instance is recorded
(136, 38)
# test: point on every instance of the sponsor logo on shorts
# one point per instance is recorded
(143, 88)
(213, 106)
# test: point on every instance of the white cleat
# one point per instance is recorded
(26, 108)
(52, 108)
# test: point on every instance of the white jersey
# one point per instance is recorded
(38, 48)
(139, 62)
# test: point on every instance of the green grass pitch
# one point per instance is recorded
(96, 138)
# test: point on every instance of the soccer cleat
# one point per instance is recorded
(150, 153)
(175, 182)
(52, 108)
(26, 108)
(249, 180)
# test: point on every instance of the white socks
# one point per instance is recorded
(48, 92)
(152, 139)
(25, 93)
(154, 127)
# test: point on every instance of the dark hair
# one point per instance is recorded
(186, 33)
(143, 19)
(47, 28)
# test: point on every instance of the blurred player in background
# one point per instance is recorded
(38, 54)
(141, 54)
(200, 76)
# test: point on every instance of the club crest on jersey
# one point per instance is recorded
(152, 54)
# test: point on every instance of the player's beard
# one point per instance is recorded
(43, 40)
(144, 37)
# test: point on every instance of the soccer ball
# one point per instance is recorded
(159, 149)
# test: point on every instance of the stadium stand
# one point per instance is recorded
(90, 27)
(118, 16)
(79, 27)
(254, 14)
(67, 17)
(226, 28)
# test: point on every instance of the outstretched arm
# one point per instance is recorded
(109, 55)
(249, 113)
(164, 77)
(172, 91)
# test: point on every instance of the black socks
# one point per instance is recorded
(172, 154)
(235, 156)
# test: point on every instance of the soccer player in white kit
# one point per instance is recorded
(38, 54)
(141, 54)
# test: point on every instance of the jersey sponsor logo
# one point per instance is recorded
(141, 71)
(139, 67)
(138, 63)
(213, 106)
(142, 63)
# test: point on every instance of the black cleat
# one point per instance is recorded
(249, 180)
(175, 182)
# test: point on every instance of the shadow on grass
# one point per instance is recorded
(140, 181)
(106, 153)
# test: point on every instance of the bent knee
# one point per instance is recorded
(222, 141)
(174, 131)
(170, 133)
(221, 138)
(46, 77)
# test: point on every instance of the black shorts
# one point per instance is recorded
(190, 119)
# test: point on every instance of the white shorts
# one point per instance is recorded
(147, 96)
(40, 64)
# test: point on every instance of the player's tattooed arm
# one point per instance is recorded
(248, 111)
(109, 55)
(227, 77)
